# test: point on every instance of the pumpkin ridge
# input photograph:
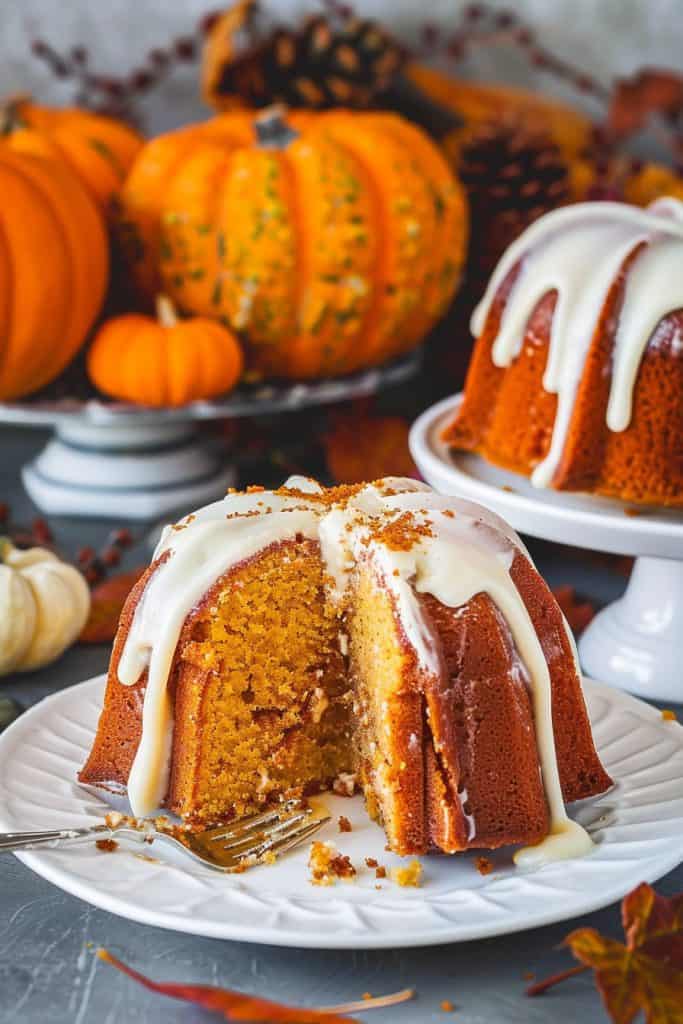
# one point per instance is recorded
(142, 201)
(190, 266)
(402, 265)
(373, 317)
(433, 172)
(24, 364)
(78, 153)
(449, 197)
(88, 275)
(301, 261)
(6, 297)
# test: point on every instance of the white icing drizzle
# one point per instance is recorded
(577, 251)
(465, 550)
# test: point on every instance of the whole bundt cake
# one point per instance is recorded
(285, 642)
(577, 374)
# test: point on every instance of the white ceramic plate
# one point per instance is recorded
(638, 828)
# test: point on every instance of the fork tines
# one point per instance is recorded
(274, 831)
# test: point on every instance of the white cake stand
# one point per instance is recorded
(635, 643)
(128, 462)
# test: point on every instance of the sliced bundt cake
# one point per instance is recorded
(291, 641)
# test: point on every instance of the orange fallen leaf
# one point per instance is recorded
(650, 91)
(235, 1006)
(643, 974)
(577, 613)
(361, 447)
(108, 599)
(238, 1006)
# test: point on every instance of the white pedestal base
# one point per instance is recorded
(637, 642)
(126, 471)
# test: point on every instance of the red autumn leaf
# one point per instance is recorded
(107, 601)
(577, 613)
(235, 1006)
(651, 91)
(361, 447)
(643, 974)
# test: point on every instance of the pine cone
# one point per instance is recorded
(512, 177)
(316, 66)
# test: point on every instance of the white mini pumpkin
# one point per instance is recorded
(44, 604)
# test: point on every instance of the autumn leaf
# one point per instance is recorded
(644, 973)
(237, 1006)
(362, 447)
(108, 599)
(577, 613)
(635, 99)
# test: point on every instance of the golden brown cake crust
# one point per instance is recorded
(507, 416)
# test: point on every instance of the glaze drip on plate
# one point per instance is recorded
(456, 550)
(578, 252)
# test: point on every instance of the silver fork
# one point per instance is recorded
(226, 848)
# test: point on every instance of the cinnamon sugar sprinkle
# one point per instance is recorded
(403, 533)
(107, 845)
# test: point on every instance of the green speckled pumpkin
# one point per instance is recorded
(330, 242)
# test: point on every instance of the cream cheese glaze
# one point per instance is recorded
(464, 550)
(578, 251)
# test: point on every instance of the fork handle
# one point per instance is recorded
(11, 841)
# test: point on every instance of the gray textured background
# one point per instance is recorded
(602, 37)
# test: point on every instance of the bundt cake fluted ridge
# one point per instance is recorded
(576, 379)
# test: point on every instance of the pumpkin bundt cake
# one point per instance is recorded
(291, 641)
(577, 375)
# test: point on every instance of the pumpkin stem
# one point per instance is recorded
(10, 112)
(166, 313)
(272, 131)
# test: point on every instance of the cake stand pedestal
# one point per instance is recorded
(635, 643)
(122, 461)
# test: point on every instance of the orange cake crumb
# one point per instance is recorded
(106, 845)
(447, 1006)
(409, 875)
(380, 871)
(371, 862)
(668, 715)
(367, 995)
(344, 824)
(484, 865)
(327, 864)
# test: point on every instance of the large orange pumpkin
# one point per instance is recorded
(53, 269)
(100, 150)
(330, 242)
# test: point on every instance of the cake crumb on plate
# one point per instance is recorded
(327, 865)
(409, 875)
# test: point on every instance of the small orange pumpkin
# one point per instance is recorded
(166, 361)
(54, 261)
(98, 149)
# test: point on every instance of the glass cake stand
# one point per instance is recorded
(635, 643)
(127, 462)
